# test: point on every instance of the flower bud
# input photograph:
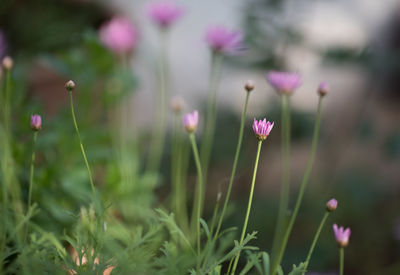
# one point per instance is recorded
(323, 89)
(249, 85)
(342, 235)
(36, 122)
(331, 205)
(190, 121)
(7, 63)
(177, 104)
(70, 86)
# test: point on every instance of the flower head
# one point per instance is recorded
(342, 236)
(331, 205)
(284, 82)
(177, 104)
(119, 35)
(323, 88)
(36, 122)
(223, 40)
(8, 63)
(164, 13)
(262, 128)
(249, 85)
(190, 121)
(70, 85)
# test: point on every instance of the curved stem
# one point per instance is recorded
(200, 189)
(302, 189)
(246, 220)
(321, 225)
(235, 161)
(341, 252)
(80, 142)
(32, 170)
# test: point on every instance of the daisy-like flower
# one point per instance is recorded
(284, 82)
(119, 35)
(190, 121)
(262, 128)
(342, 236)
(223, 40)
(164, 13)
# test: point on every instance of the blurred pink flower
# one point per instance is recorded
(36, 122)
(284, 82)
(164, 13)
(119, 35)
(262, 128)
(331, 205)
(220, 39)
(190, 121)
(323, 88)
(342, 236)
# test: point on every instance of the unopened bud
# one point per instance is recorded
(177, 104)
(323, 89)
(70, 86)
(249, 85)
(190, 121)
(36, 122)
(331, 205)
(7, 63)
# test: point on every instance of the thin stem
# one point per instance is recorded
(341, 252)
(235, 161)
(285, 184)
(321, 225)
(302, 189)
(200, 188)
(248, 205)
(158, 137)
(7, 86)
(80, 142)
(32, 170)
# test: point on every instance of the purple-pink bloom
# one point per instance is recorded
(284, 82)
(342, 236)
(223, 40)
(331, 205)
(262, 128)
(36, 122)
(164, 13)
(119, 35)
(190, 121)
(323, 88)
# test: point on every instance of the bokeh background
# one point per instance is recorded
(354, 45)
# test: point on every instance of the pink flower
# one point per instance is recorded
(262, 128)
(323, 88)
(331, 205)
(119, 35)
(36, 122)
(190, 121)
(164, 13)
(220, 39)
(342, 236)
(284, 82)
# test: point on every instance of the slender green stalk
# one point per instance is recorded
(285, 184)
(314, 242)
(7, 92)
(249, 205)
(200, 189)
(302, 189)
(341, 252)
(235, 161)
(32, 170)
(80, 142)
(160, 128)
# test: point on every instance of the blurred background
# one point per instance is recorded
(354, 45)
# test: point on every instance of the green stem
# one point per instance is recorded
(235, 161)
(7, 86)
(248, 205)
(159, 132)
(302, 189)
(284, 196)
(80, 142)
(200, 189)
(321, 225)
(32, 170)
(341, 252)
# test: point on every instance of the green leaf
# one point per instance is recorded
(265, 258)
(298, 270)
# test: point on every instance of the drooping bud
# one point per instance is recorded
(331, 205)
(323, 88)
(249, 85)
(177, 104)
(70, 86)
(190, 121)
(36, 122)
(8, 63)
